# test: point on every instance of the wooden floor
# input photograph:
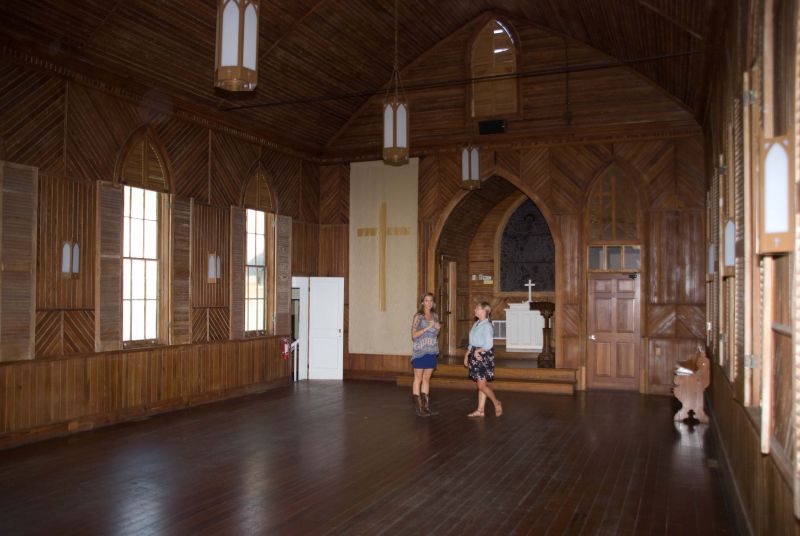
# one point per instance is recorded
(350, 458)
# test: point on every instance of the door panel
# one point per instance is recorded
(325, 326)
(613, 332)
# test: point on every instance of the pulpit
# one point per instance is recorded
(547, 358)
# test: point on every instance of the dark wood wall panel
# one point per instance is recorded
(66, 214)
(230, 160)
(210, 234)
(186, 150)
(334, 194)
(309, 198)
(32, 119)
(46, 398)
(305, 248)
(676, 257)
(98, 125)
(285, 174)
(610, 100)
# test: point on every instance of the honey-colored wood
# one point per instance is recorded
(690, 384)
(283, 275)
(61, 396)
(181, 272)
(18, 187)
(108, 282)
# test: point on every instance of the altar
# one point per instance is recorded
(524, 326)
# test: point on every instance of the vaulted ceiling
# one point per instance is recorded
(320, 60)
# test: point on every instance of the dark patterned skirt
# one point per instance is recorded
(481, 368)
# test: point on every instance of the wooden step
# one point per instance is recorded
(507, 373)
(524, 386)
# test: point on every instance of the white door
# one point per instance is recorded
(301, 283)
(325, 326)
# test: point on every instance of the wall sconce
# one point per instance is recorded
(712, 260)
(470, 168)
(70, 259)
(214, 268)
(729, 249)
(236, 58)
(776, 194)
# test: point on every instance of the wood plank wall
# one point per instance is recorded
(51, 397)
(74, 135)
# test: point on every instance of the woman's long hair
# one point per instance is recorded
(421, 310)
(487, 309)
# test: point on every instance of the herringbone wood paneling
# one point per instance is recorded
(571, 322)
(535, 171)
(691, 321)
(285, 175)
(309, 199)
(32, 118)
(661, 320)
(571, 168)
(66, 214)
(334, 194)
(186, 148)
(98, 126)
(78, 332)
(48, 333)
(199, 324)
(230, 162)
(218, 327)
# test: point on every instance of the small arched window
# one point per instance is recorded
(494, 57)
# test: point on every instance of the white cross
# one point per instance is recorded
(530, 286)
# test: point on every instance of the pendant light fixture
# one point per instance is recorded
(236, 58)
(395, 114)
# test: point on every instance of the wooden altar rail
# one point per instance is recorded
(53, 397)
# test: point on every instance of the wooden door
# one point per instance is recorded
(446, 305)
(613, 332)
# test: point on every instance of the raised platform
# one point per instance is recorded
(507, 377)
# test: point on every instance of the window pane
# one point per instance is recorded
(259, 222)
(137, 246)
(152, 280)
(251, 221)
(614, 257)
(126, 279)
(151, 205)
(260, 314)
(151, 320)
(137, 279)
(126, 236)
(632, 258)
(251, 315)
(260, 283)
(137, 203)
(596, 257)
(137, 320)
(259, 250)
(251, 248)
(150, 239)
(126, 320)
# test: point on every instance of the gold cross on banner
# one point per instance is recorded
(382, 231)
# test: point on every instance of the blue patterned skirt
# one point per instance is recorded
(481, 368)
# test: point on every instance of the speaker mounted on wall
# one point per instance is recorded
(493, 126)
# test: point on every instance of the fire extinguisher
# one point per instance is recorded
(285, 348)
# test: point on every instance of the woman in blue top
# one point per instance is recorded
(479, 359)
(425, 347)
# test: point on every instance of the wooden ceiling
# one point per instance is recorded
(320, 60)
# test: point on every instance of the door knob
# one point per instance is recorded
(592, 337)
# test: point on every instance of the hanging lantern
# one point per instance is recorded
(236, 65)
(395, 114)
(470, 168)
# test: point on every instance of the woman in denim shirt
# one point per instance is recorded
(479, 359)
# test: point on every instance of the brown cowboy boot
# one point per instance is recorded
(426, 405)
(418, 406)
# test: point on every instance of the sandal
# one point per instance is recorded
(476, 413)
(498, 409)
